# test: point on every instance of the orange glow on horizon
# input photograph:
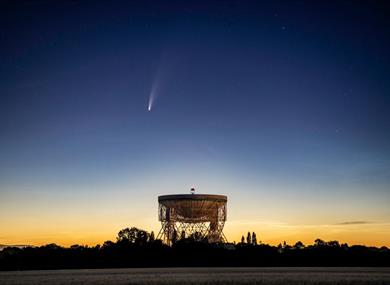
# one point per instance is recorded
(273, 234)
(37, 218)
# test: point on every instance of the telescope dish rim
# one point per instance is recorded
(191, 197)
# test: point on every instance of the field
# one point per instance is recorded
(209, 276)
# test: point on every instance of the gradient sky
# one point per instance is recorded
(281, 106)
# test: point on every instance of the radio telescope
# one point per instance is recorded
(201, 216)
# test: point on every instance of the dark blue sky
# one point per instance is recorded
(262, 95)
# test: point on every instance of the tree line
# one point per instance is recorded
(138, 248)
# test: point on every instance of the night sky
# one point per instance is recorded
(281, 106)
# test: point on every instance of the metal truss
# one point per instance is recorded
(201, 219)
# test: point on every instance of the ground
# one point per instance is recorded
(271, 275)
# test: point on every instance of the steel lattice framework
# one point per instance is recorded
(201, 216)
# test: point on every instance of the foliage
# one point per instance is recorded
(138, 248)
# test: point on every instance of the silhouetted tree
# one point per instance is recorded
(51, 246)
(248, 238)
(108, 244)
(127, 235)
(174, 236)
(299, 245)
(254, 238)
(141, 237)
(151, 237)
(135, 248)
(196, 237)
(286, 246)
(333, 243)
(133, 235)
(319, 243)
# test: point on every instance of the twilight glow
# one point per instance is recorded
(282, 109)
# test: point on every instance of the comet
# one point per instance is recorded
(150, 103)
(158, 83)
(152, 96)
(155, 90)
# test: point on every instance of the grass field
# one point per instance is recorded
(209, 276)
